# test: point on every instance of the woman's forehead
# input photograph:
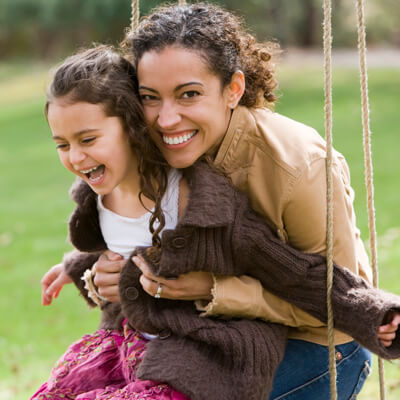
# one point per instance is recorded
(174, 64)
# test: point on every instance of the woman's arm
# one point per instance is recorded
(304, 218)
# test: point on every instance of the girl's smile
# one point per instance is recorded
(93, 146)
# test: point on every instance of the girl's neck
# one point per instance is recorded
(127, 203)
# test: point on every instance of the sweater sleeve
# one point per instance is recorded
(300, 278)
(75, 264)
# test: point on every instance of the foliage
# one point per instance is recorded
(53, 28)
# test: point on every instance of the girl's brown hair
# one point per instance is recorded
(221, 39)
(100, 75)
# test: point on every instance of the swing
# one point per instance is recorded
(327, 48)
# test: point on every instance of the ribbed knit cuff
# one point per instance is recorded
(75, 264)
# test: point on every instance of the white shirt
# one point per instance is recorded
(123, 234)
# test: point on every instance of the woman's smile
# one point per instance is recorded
(178, 139)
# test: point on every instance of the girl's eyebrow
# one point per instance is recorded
(77, 133)
(179, 87)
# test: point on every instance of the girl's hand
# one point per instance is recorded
(387, 333)
(52, 283)
(192, 286)
(108, 268)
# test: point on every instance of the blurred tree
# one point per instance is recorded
(53, 28)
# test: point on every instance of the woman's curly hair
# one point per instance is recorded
(101, 75)
(221, 39)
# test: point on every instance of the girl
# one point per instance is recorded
(95, 120)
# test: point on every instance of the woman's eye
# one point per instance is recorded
(189, 94)
(147, 97)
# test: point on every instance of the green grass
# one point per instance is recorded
(34, 208)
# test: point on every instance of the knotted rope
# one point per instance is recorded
(368, 159)
(327, 39)
(135, 15)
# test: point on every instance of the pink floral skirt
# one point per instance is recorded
(101, 366)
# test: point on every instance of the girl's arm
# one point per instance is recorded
(52, 283)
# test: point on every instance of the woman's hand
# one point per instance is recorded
(106, 278)
(387, 333)
(192, 286)
(52, 283)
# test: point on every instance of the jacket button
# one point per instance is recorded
(165, 333)
(179, 242)
(131, 293)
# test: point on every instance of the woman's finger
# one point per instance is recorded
(142, 265)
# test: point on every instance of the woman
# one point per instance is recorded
(204, 83)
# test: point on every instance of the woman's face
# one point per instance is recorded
(184, 103)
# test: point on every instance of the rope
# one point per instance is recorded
(368, 159)
(135, 15)
(329, 188)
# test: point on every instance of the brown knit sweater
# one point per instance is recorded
(217, 359)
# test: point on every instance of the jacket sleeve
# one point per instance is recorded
(305, 222)
(300, 278)
(75, 264)
(245, 297)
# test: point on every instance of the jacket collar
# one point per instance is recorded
(240, 122)
(211, 204)
(84, 226)
(211, 197)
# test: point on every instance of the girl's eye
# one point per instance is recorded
(88, 140)
(61, 146)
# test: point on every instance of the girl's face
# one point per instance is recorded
(184, 103)
(93, 145)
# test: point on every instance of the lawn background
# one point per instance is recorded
(34, 208)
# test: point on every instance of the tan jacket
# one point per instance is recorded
(280, 164)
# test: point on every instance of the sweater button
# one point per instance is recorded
(179, 242)
(164, 334)
(131, 293)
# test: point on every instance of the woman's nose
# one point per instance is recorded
(168, 116)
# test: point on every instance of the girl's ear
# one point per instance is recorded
(236, 89)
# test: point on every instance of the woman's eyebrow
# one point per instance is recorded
(147, 88)
(187, 84)
(179, 87)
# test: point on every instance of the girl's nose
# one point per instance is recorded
(168, 116)
(76, 156)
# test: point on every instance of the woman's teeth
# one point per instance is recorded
(178, 139)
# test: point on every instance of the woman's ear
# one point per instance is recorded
(236, 89)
